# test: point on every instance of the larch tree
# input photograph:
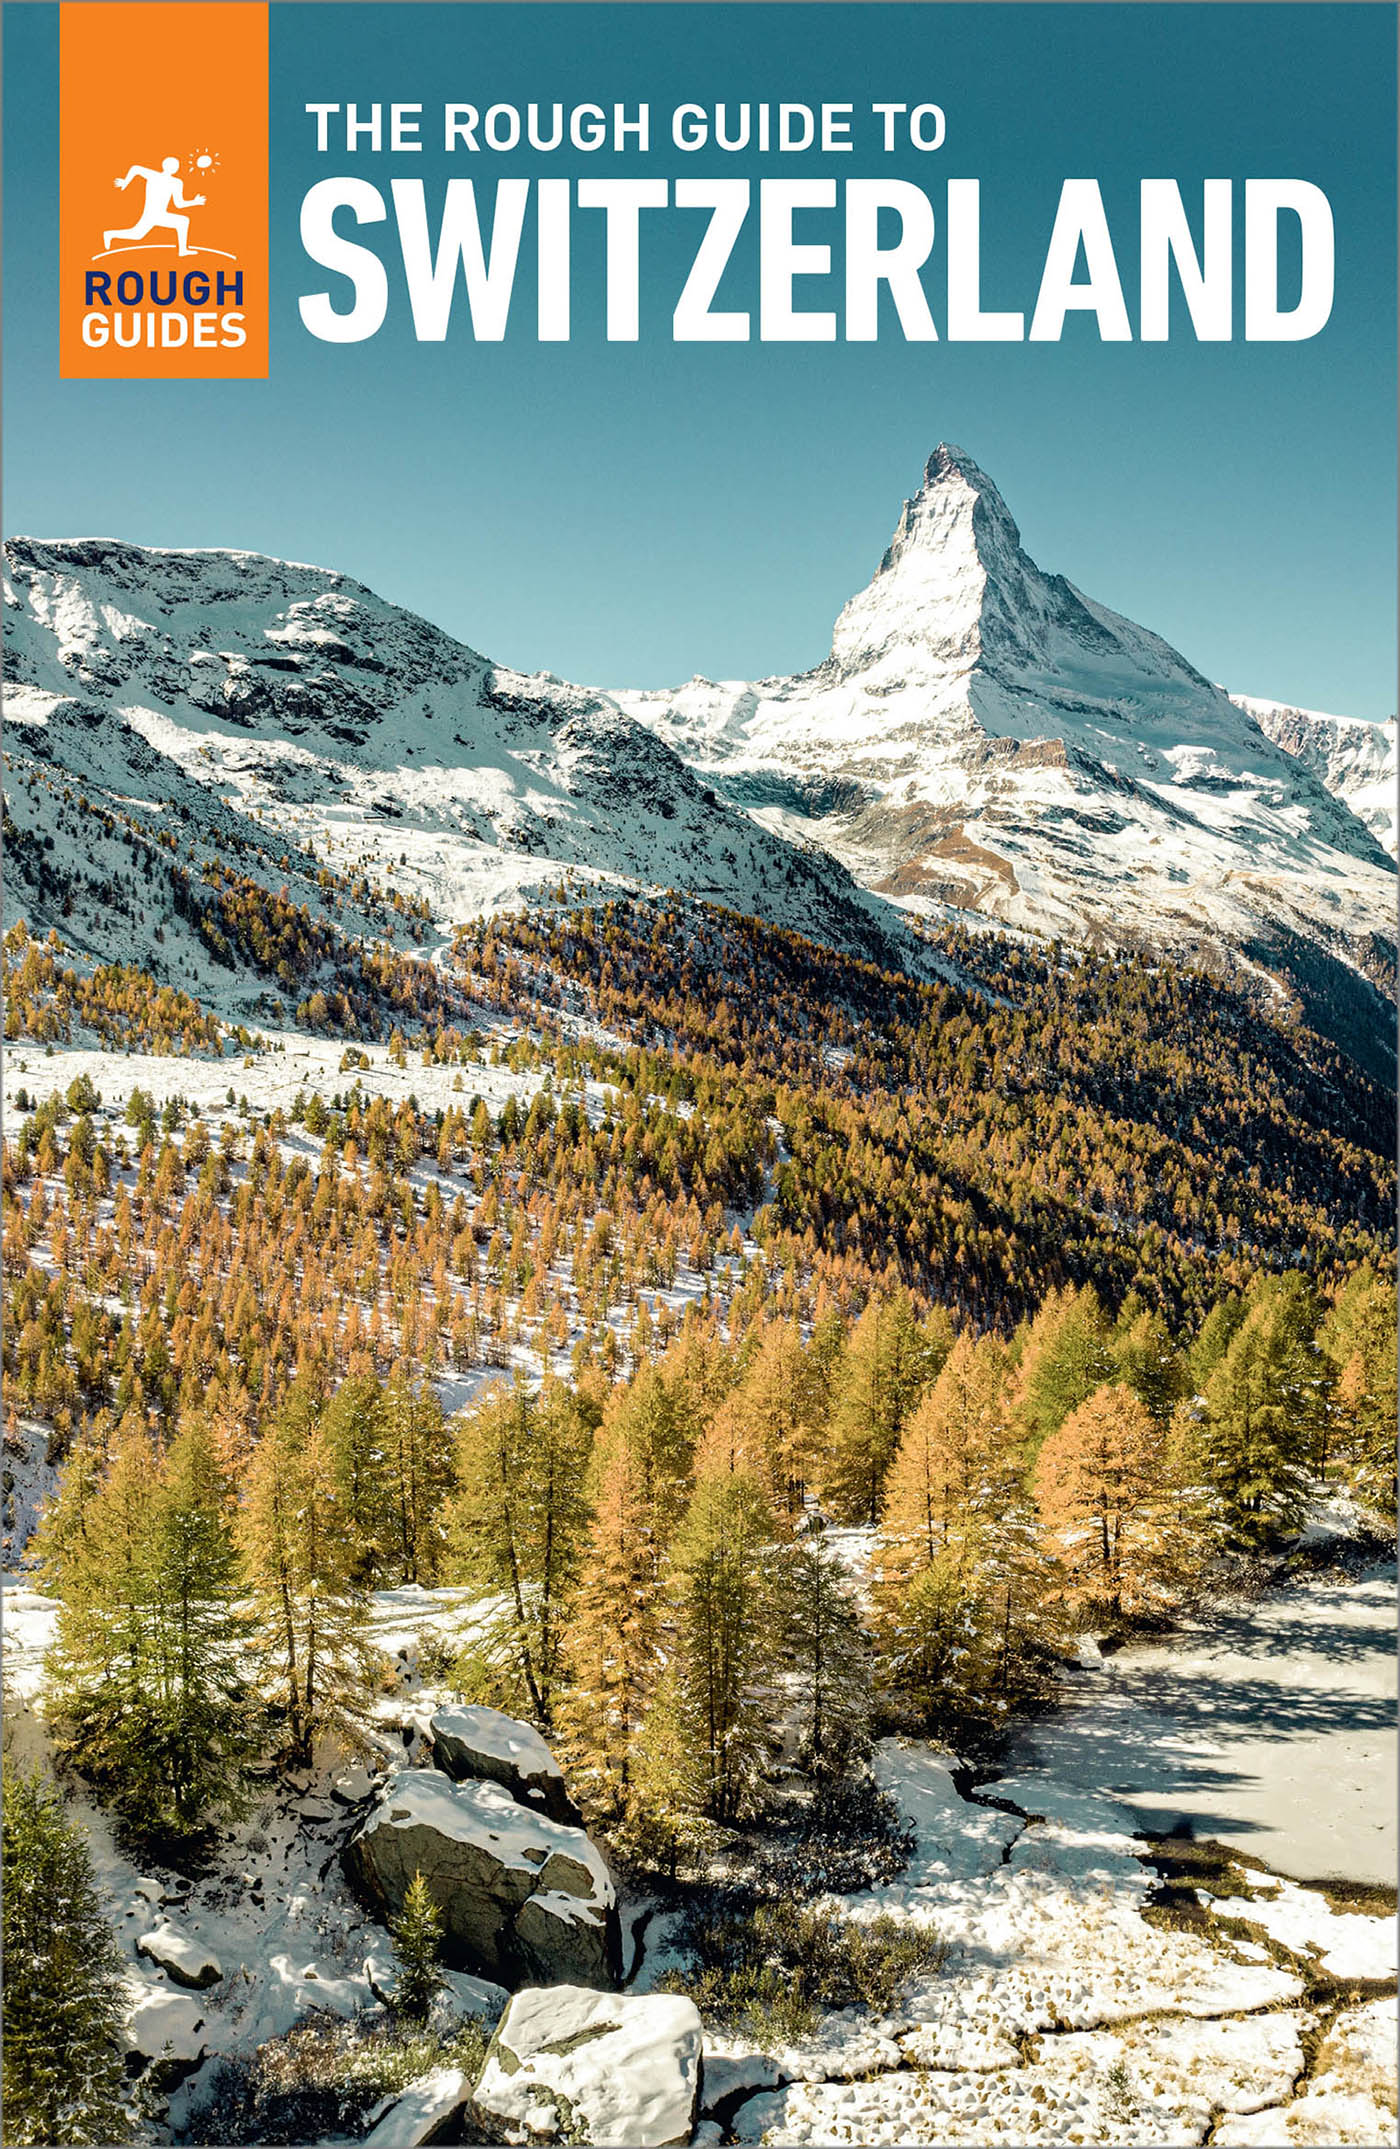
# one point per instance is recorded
(517, 1527)
(613, 1642)
(1105, 1504)
(726, 1641)
(301, 1555)
(889, 1359)
(959, 1585)
(778, 1410)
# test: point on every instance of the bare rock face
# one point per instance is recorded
(585, 2066)
(496, 1748)
(523, 1898)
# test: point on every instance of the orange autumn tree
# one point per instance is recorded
(1105, 1494)
(958, 1583)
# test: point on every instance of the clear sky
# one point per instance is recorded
(633, 514)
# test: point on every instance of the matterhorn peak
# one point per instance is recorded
(951, 469)
(951, 537)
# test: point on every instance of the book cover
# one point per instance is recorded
(699, 1072)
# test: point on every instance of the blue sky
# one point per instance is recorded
(632, 514)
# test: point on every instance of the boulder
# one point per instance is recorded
(163, 2033)
(495, 1748)
(185, 1961)
(423, 2110)
(522, 1897)
(570, 2064)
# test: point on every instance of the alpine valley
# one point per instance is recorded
(699, 1386)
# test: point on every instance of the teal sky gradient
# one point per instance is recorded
(633, 514)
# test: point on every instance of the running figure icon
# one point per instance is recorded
(164, 195)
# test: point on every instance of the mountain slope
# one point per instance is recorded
(1353, 758)
(235, 706)
(982, 744)
(984, 736)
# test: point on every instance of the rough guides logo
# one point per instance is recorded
(164, 190)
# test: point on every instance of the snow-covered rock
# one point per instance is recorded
(164, 2030)
(486, 1743)
(1354, 758)
(731, 2076)
(421, 2112)
(352, 1785)
(184, 1960)
(522, 1896)
(569, 2063)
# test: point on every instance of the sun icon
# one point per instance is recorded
(204, 160)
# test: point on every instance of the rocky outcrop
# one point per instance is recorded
(523, 1898)
(573, 2065)
(495, 1748)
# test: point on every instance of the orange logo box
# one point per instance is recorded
(163, 174)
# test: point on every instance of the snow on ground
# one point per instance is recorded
(1060, 2015)
(273, 1912)
(1270, 1728)
(29, 1479)
(270, 1079)
(1346, 1943)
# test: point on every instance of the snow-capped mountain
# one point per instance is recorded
(1352, 756)
(982, 743)
(226, 699)
(984, 736)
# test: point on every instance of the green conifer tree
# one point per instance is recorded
(726, 1642)
(150, 1697)
(417, 1937)
(1253, 1430)
(353, 1427)
(829, 1657)
(203, 1722)
(1146, 1360)
(420, 1474)
(1358, 1340)
(1068, 1353)
(65, 2002)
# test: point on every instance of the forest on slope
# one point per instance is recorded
(1061, 1284)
